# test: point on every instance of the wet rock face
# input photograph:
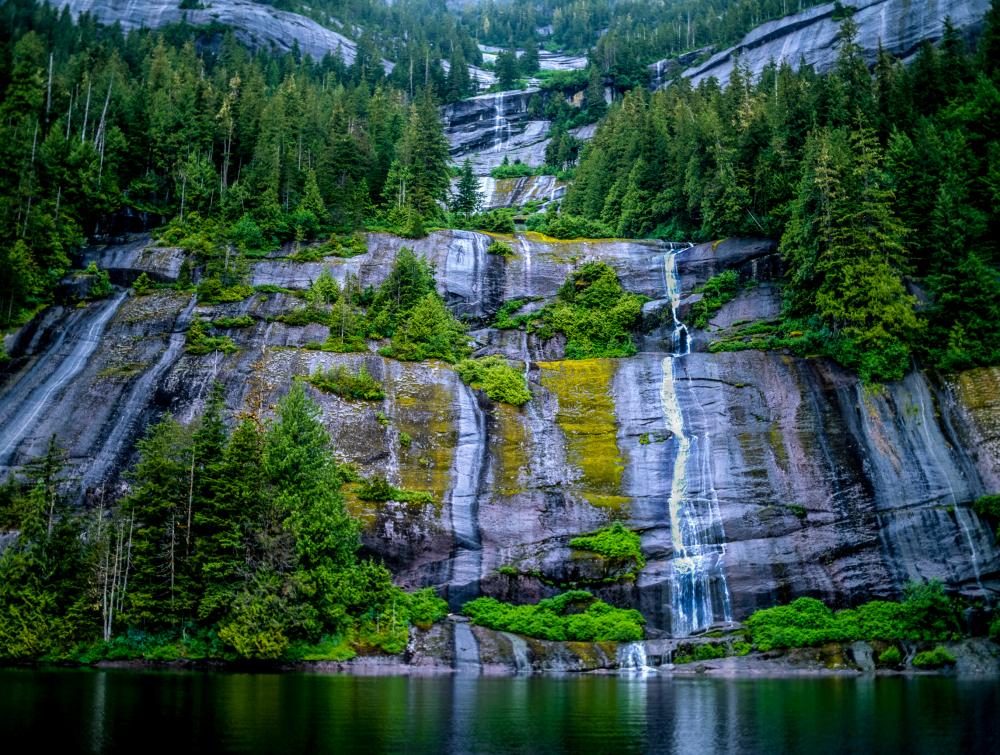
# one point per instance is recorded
(490, 127)
(255, 24)
(899, 26)
(796, 480)
(516, 192)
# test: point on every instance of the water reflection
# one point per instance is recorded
(127, 712)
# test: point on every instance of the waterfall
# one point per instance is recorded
(696, 533)
(137, 400)
(466, 649)
(28, 399)
(519, 649)
(631, 656)
(526, 248)
(466, 478)
(501, 126)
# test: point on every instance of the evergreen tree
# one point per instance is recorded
(594, 97)
(424, 152)
(528, 62)
(467, 198)
(158, 593)
(507, 70)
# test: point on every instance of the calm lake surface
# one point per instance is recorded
(185, 712)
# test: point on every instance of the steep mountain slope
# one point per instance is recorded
(255, 24)
(899, 26)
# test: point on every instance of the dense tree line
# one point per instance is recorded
(234, 542)
(873, 181)
(101, 132)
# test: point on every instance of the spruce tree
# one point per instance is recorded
(506, 68)
(424, 152)
(468, 198)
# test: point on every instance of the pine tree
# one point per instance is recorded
(528, 62)
(311, 215)
(459, 82)
(424, 152)
(861, 294)
(468, 198)
(506, 69)
(305, 482)
(158, 503)
(593, 100)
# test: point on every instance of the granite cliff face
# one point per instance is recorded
(489, 127)
(754, 477)
(254, 24)
(899, 26)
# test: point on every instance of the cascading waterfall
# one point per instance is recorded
(137, 400)
(466, 649)
(519, 649)
(699, 594)
(466, 478)
(962, 516)
(631, 656)
(29, 398)
(501, 126)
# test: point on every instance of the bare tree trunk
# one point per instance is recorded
(187, 534)
(48, 89)
(86, 114)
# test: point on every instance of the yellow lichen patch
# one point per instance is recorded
(365, 512)
(510, 449)
(777, 438)
(979, 389)
(541, 237)
(586, 416)
(425, 413)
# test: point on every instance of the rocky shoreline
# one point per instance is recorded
(438, 651)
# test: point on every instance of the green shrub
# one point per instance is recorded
(716, 291)
(410, 225)
(994, 630)
(411, 279)
(247, 235)
(240, 321)
(516, 169)
(494, 221)
(143, 284)
(338, 345)
(335, 246)
(379, 489)
(100, 283)
(306, 316)
(594, 312)
(505, 317)
(574, 615)
(615, 543)
(500, 248)
(329, 648)
(497, 378)
(429, 331)
(425, 607)
(566, 226)
(212, 291)
(706, 652)
(890, 657)
(925, 614)
(353, 385)
(198, 342)
(936, 658)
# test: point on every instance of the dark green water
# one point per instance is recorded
(187, 712)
